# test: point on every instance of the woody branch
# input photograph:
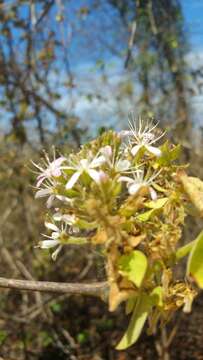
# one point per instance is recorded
(97, 289)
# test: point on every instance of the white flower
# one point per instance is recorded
(67, 218)
(48, 190)
(54, 240)
(51, 169)
(139, 181)
(142, 135)
(115, 162)
(87, 166)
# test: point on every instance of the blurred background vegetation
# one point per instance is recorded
(69, 70)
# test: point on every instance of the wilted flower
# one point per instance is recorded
(115, 162)
(142, 134)
(139, 181)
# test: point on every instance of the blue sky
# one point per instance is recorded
(86, 53)
(193, 14)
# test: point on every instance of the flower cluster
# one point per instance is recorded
(121, 193)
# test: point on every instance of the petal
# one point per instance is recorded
(69, 219)
(42, 193)
(126, 178)
(47, 244)
(125, 133)
(50, 201)
(64, 198)
(55, 235)
(95, 175)
(134, 188)
(59, 161)
(98, 161)
(57, 216)
(51, 226)
(56, 172)
(40, 180)
(135, 149)
(122, 165)
(153, 193)
(84, 163)
(56, 252)
(106, 151)
(74, 178)
(154, 150)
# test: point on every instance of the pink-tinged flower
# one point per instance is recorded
(51, 170)
(139, 181)
(87, 166)
(142, 135)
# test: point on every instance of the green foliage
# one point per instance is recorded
(133, 267)
(154, 205)
(45, 338)
(137, 322)
(3, 336)
(195, 261)
(56, 307)
(82, 337)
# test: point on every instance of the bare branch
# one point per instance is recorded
(130, 43)
(94, 289)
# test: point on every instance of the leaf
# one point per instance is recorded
(136, 324)
(75, 240)
(157, 296)
(194, 188)
(184, 250)
(146, 215)
(133, 266)
(156, 204)
(195, 261)
(159, 188)
(83, 224)
(130, 304)
(168, 154)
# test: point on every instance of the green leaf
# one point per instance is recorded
(184, 250)
(156, 204)
(75, 241)
(3, 336)
(168, 154)
(195, 261)
(146, 215)
(159, 188)
(56, 307)
(136, 324)
(83, 224)
(133, 266)
(130, 304)
(157, 296)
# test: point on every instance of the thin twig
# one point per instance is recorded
(95, 289)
